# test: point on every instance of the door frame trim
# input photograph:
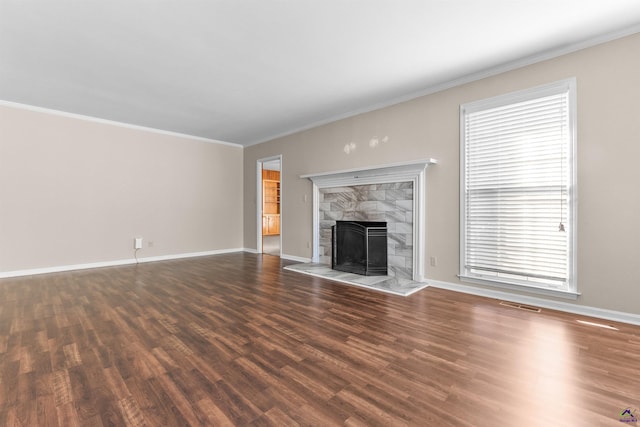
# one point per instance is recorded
(259, 167)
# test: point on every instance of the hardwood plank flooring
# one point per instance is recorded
(235, 340)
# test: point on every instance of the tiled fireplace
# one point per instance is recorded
(391, 193)
(389, 202)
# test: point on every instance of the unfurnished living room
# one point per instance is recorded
(319, 213)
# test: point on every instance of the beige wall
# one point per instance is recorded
(75, 192)
(608, 93)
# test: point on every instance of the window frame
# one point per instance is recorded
(570, 290)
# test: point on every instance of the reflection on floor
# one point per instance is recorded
(271, 245)
(388, 284)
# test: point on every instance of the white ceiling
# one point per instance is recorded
(245, 71)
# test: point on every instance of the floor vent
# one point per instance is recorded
(521, 306)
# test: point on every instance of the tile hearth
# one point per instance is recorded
(388, 284)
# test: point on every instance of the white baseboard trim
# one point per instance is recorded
(600, 313)
(282, 256)
(115, 263)
(62, 268)
(188, 255)
(295, 258)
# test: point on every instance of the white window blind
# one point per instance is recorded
(517, 208)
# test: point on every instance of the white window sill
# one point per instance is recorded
(523, 288)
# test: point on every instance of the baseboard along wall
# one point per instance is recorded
(600, 313)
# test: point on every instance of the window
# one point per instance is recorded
(518, 189)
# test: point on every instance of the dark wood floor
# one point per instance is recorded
(236, 340)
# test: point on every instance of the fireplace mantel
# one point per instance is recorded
(395, 172)
(413, 171)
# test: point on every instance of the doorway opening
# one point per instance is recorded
(269, 226)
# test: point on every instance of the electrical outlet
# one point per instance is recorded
(137, 243)
(308, 245)
(433, 261)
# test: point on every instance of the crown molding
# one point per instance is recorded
(34, 108)
(468, 78)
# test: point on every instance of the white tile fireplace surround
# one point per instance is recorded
(392, 193)
(388, 202)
